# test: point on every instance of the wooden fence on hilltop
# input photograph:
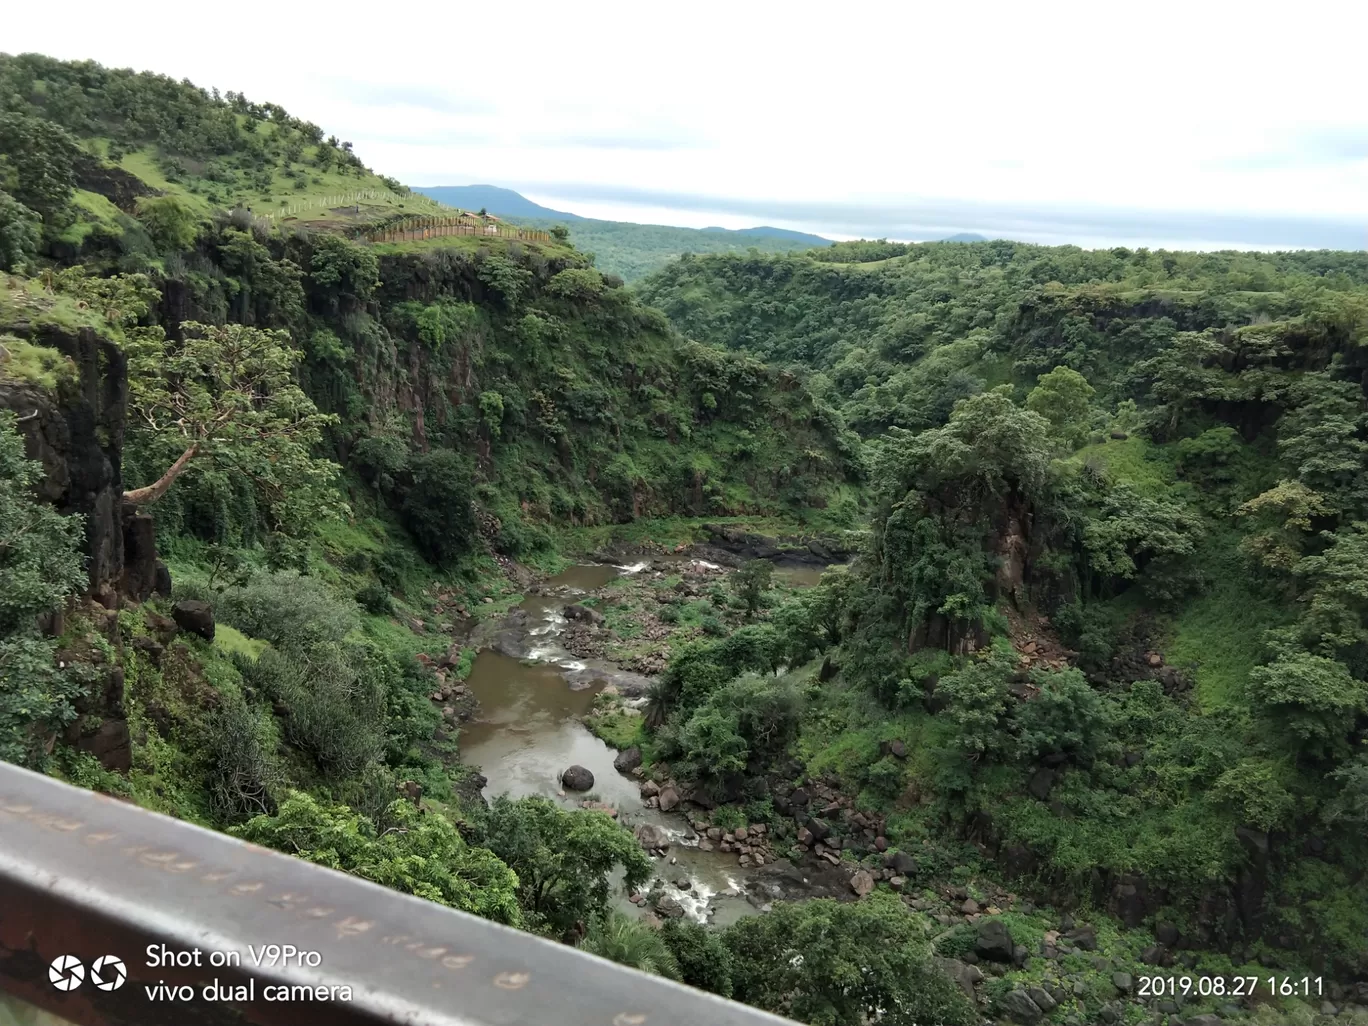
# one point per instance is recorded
(415, 229)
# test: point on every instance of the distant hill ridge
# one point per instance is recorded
(508, 203)
(627, 248)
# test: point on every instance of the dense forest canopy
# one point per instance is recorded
(1088, 703)
(1154, 463)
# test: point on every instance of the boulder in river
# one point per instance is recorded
(627, 760)
(669, 906)
(577, 778)
(575, 611)
(669, 798)
(653, 837)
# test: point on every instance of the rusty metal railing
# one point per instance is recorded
(110, 914)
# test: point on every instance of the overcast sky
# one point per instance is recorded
(1198, 122)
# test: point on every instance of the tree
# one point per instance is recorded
(21, 230)
(419, 854)
(226, 395)
(37, 165)
(437, 504)
(563, 860)
(704, 961)
(751, 582)
(631, 942)
(1063, 398)
(831, 963)
(1313, 701)
(40, 565)
(171, 224)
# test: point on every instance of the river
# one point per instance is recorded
(528, 730)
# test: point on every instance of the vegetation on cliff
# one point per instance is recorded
(1105, 638)
(1110, 590)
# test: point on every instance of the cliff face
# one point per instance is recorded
(76, 432)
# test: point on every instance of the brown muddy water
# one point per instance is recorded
(528, 730)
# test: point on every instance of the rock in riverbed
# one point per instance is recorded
(577, 778)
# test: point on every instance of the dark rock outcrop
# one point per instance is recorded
(120, 187)
(76, 433)
(994, 942)
(197, 617)
(627, 760)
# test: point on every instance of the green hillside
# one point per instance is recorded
(1083, 707)
(1118, 496)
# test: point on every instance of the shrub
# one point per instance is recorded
(629, 941)
(242, 771)
(334, 699)
(437, 506)
(288, 610)
(703, 960)
(373, 598)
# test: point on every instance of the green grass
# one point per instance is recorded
(308, 205)
(1132, 460)
(619, 728)
(232, 641)
(39, 365)
(25, 299)
(1219, 635)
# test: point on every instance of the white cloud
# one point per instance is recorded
(1176, 105)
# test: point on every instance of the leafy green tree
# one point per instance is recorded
(1134, 535)
(1066, 716)
(978, 699)
(1063, 397)
(41, 565)
(1321, 438)
(226, 395)
(563, 860)
(940, 492)
(1281, 523)
(576, 283)
(416, 853)
(171, 224)
(704, 961)
(831, 963)
(630, 942)
(343, 268)
(751, 582)
(437, 505)
(508, 280)
(1335, 620)
(1310, 700)
(37, 166)
(21, 230)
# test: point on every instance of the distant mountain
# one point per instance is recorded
(965, 237)
(624, 248)
(766, 232)
(500, 202)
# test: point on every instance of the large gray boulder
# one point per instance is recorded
(1019, 1007)
(994, 942)
(577, 778)
(653, 837)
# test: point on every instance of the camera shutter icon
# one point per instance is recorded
(66, 972)
(108, 972)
